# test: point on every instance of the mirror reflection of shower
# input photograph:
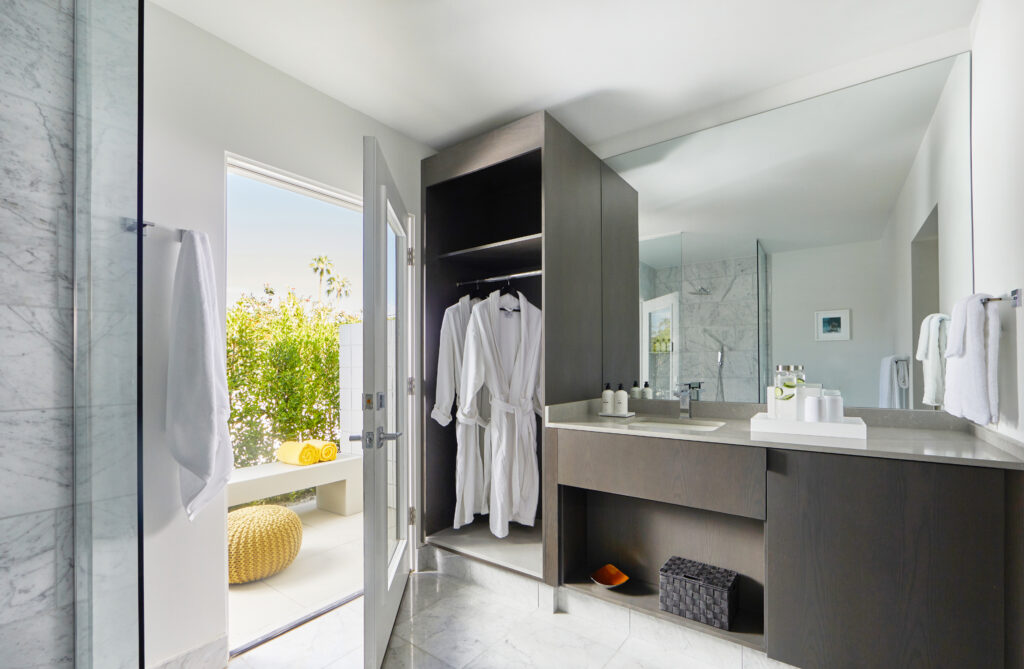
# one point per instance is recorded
(699, 299)
(719, 389)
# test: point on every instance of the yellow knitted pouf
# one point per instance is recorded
(262, 541)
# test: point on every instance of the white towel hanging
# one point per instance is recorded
(198, 407)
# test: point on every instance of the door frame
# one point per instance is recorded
(670, 300)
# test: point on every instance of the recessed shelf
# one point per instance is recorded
(505, 254)
(748, 628)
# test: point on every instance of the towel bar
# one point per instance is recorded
(1013, 297)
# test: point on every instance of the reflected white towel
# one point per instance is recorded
(197, 387)
(893, 382)
(972, 355)
(931, 351)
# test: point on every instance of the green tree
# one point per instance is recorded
(282, 355)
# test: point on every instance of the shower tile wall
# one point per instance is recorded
(728, 313)
(36, 551)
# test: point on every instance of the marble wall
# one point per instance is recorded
(728, 313)
(43, 404)
(36, 199)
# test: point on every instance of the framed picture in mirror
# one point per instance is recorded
(832, 325)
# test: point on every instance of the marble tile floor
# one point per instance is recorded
(448, 623)
(329, 567)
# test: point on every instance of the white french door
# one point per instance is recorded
(385, 437)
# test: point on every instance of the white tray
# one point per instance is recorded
(628, 414)
(850, 428)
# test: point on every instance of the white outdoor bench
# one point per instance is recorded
(339, 483)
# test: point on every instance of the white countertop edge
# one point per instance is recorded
(726, 435)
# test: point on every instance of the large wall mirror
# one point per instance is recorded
(820, 233)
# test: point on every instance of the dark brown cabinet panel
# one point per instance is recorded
(883, 563)
(715, 477)
(620, 278)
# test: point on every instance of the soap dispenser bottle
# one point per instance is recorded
(635, 391)
(648, 392)
(607, 399)
(621, 401)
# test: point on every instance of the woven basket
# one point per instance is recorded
(698, 591)
(262, 541)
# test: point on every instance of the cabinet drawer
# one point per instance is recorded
(716, 477)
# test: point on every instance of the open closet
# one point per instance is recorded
(529, 209)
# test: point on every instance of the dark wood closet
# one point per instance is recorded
(527, 199)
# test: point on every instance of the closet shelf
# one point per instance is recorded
(748, 628)
(513, 253)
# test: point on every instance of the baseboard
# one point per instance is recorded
(213, 655)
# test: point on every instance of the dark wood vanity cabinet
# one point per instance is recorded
(872, 562)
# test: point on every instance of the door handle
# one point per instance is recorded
(367, 439)
(383, 436)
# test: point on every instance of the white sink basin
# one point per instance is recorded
(659, 424)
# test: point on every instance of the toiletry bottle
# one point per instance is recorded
(635, 391)
(621, 401)
(607, 398)
(648, 392)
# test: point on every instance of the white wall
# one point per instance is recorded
(998, 154)
(202, 98)
(846, 276)
(940, 175)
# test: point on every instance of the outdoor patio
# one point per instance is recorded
(328, 568)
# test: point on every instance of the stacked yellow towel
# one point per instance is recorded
(327, 450)
(298, 453)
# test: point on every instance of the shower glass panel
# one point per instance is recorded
(106, 270)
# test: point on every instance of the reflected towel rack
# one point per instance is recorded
(131, 225)
(1013, 297)
(504, 277)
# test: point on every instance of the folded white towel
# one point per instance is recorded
(972, 354)
(893, 381)
(197, 387)
(931, 351)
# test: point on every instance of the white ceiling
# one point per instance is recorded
(820, 172)
(443, 70)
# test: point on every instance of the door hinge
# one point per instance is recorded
(411, 385)
(412, 515)
(411, 255)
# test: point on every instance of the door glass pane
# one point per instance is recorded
(394, 248)
(659, 351)
(101, 578)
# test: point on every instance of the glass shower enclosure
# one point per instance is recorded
(107, 351)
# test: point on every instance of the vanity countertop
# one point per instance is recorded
(901, 443)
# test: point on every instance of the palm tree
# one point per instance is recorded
(339, 287)
(322, 267)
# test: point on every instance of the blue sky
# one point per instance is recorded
(274, 233)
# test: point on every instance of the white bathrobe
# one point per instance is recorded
(472, 468)
(931, 352)
(972, 360)
(503, 354)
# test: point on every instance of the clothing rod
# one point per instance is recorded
(496, 279)
(1013, 297)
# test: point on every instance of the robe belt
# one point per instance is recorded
(521, 411)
